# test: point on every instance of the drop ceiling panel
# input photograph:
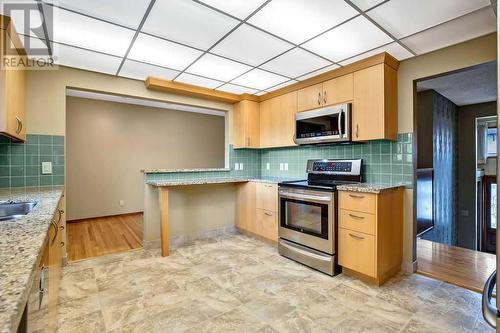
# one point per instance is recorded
(366, 4)
(38, 46)
(295, 62)
(78, 30)
(239, 8)
(198, 81)
(299, 20)
(394, 49)
(467, 27)
(140, 71)
(114, 11)
(281, 85)
(235, 89)
(83, 59)
(259, 79)
(319, 71)
(405, 17)
(160, 52)
(217, 68)
(23, 27)
(188, 22)
(251, 46)
(352, 38)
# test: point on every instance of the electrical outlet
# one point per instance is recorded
(122, 203)
(286, 166)
(268, 166)
(46, 168)
(236, 166)
(281, 167)
(241, 166)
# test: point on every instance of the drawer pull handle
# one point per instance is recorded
(268, 214)
(356, 237)
(357, 217)
(356, 196)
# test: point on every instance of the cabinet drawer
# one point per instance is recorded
(357, 251)
(357, 221)
(267, 224)
(267, 197)
(360, 202)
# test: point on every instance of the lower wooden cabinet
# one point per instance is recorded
(370, 241)
(257, 209)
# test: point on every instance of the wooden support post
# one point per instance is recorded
(164, 220)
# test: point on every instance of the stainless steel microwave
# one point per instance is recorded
(325, 125)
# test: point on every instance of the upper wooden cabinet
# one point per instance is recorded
(12, 86)
(374, 111)
(246, 123)
(277, 121)
(334, 91)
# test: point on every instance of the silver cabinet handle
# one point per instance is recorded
(324, 97)
(41, 286)
(268, 214)
(357, 131)
(248, 142)
(60, 212)
(357, 217)
(319, 98)
(355, 196)
(356, 237)
(57, 231)
(19, 125)
(62, 244)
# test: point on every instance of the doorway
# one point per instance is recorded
(455, 171)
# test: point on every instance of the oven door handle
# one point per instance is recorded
(318, 198)
(305, 253)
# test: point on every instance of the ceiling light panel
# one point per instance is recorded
(299, 20)
(188, 22)
(366, 4)
(217, 68)
(140, 71)
(78, 30)
(259, 79)
(349, 39)
(282, 85)
(295, 63)
(405, 17)
(160, 52)
(238, 8)
(319, 71)
(467, 27)
(32, 43)
(129, 15)
(198, 81)
(251, 46)
(234, 89)
(22, 26)
(394, 49)
(83, 59)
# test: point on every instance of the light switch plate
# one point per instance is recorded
(281, 167)
(241, 166)
(46, 168)
(286, 166)
(236, 166)
(268, 166)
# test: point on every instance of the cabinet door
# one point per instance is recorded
(15, 86)
(310, 98)
(338, 90)
(246, 124)
(245, 206)
(265, 124)
(267, 197)
(267, 222)
(286, 122)
(357, 251)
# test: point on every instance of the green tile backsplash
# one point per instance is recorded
(20, 163)
(384, 162)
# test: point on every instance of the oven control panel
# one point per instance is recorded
(332, 166)
(338, 167)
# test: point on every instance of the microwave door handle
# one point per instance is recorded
(340, 123)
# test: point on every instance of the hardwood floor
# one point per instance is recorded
(100, 236)
(455, 265)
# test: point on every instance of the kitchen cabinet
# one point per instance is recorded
(12, 86)
(370, 234)
(277, 121)
(331, 92)
(246, 123)
(257, 209)
(374, 111)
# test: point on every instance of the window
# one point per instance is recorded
(491, 143)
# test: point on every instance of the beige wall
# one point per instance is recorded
(107, 144)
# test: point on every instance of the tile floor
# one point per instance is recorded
(239, 284)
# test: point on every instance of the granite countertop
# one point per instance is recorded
(269, 180)
(21, 245)
(185, 170)
(367, 187)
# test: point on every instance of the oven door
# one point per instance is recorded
(307, 218)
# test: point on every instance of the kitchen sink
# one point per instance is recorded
(10, 210)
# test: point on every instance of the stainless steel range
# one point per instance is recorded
(308, 213)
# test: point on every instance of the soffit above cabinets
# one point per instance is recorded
(258, 44)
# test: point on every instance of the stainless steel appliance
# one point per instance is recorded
(330, 124)
(308, 213)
